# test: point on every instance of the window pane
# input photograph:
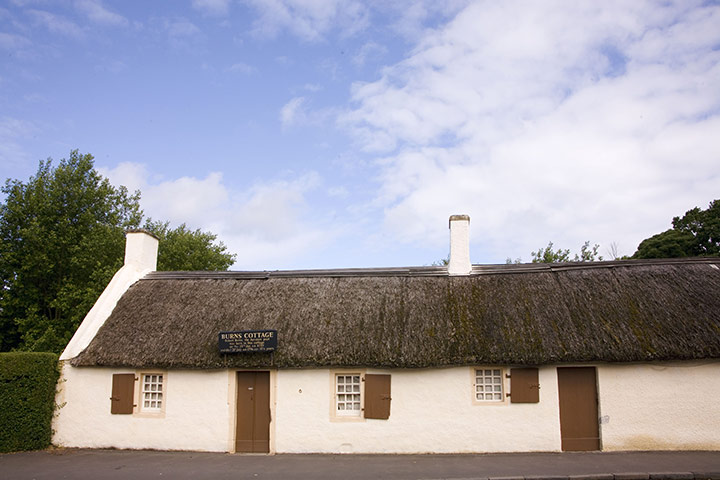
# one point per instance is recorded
(347, 394)
(488, 384)
(152, 391)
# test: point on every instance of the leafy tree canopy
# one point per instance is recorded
(548, 255)
(61, 241)
(185, 249)
(697, 233)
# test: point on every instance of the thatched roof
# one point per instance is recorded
(623, 311)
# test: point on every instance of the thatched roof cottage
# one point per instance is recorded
(618, 355)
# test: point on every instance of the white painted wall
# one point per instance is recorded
(197, 412)
(644, 407)
(431, 411)
(668, 406)
(140, 259)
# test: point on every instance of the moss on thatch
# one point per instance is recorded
(509, 315)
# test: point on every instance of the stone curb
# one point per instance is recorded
(707, 475)
(672, 476)
(593, 476)
(616, 476)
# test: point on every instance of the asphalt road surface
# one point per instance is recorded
(139, 465)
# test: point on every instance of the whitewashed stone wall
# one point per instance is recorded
(641, 407)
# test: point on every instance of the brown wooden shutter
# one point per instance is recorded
(377, 396)
(524, 385)
(123, 393)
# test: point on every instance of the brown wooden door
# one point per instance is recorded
(578, 408)
(253, 412)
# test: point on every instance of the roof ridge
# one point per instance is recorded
(424, 271)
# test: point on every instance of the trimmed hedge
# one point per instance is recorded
(27, 400)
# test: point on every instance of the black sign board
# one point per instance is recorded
(247, 341)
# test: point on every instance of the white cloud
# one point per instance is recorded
(12, 132)
(97, 13)
(309, 19)
(292, 112)
(25, 3)
(218, 8)
(369, 50)
(267, 224)
(243, 68)
(56, 23)
(180, 28)
(413, 16)
(296, 112)
(591, 121)
(272, 211)
(10, 41)
(181, 33)
(184, 199)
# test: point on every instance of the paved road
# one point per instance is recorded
(140, 465)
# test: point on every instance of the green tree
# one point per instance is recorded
(444, 262)
(668, 244)
(62, 238)
(704, 226)
(548, 255)
(184, 249)
(587, 253)
(697, 233)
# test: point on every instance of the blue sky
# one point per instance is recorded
(340, 133)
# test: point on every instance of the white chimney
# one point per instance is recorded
(141, 250)
(459, 245)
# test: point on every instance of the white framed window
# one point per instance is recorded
(348, 394)
(152, 390)
(489, 385)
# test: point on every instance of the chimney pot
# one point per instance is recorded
(459, 263)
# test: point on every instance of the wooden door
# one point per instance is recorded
(252, 433)
(578, 408)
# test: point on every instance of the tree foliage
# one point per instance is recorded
(61, 241)
(548, 255)
(184, 249)
(697, 233)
